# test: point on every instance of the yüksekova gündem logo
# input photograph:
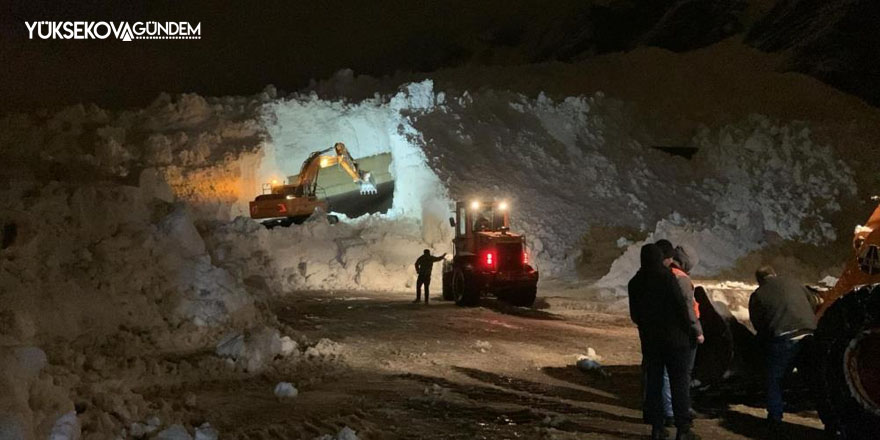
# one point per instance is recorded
(122, 30)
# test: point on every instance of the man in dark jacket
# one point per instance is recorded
(424, 265)
(782, 315)
(658, 308)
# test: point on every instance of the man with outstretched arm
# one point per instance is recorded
(424, 265)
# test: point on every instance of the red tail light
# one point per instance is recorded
(525, 257)
(282, 208)
(490, 259)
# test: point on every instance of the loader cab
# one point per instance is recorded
(475, 217)
(488, 258)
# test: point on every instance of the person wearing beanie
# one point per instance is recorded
(664, 321)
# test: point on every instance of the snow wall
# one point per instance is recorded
(143, 209)
(134, 220)
(566, 166)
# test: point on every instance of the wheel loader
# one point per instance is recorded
(352, 191)
(841, 362)
(488, 259)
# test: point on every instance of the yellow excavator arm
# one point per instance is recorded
(317, 160)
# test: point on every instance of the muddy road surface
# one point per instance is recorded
(419, 371)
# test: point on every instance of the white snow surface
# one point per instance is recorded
(345, 433)
(66, 427)
(285, 390)
(142, 209)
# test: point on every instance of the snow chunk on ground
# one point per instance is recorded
(174, 432)
(285, 390)
(66, 427)
(325, 348)
(345, 433)
(206, 432)
(253, 349)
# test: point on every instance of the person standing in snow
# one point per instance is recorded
(424, 266)
(783, 317)
(659, 310)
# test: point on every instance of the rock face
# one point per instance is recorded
(678, 25)
(835, 42)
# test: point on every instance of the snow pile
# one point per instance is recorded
(66, 427)
(255, 348)
(759, 181)
(141, 258)
(586, 161)
(371, 252)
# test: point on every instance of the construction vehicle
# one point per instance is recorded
(841, 361)
(846, 345)
(292, 203)
(488, 259)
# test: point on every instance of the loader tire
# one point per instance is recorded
(447, 286)
(464, 292)
(847, 351)
(522, 297)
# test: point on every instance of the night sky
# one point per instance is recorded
(244, 46)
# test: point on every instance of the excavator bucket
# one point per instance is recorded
(368, 184)
(373, 194)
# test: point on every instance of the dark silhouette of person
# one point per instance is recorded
(424, 265)
(482, 223)
(783, 317)
(666, 332)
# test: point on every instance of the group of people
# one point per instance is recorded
(662, 305)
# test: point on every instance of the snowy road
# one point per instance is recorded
(439, 371)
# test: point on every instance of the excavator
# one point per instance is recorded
(293, 203)
(841, 362)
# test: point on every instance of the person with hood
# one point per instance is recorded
(680, 263)
(424, 267)
(666, 332)
(681, 266)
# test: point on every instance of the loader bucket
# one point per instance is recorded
(353, 199)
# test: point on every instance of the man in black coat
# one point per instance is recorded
(424, 266)
(783, 317)
(658, 308)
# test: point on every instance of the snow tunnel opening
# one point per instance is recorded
(380, 137)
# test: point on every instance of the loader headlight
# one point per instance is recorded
(475, 205)
(502, 206)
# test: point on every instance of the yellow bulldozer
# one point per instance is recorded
(351, 190)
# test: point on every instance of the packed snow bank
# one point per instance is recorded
(372, 252)
(140, 258)
(587, 161)
(759, 182)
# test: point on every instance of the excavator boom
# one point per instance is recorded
(298, 199)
